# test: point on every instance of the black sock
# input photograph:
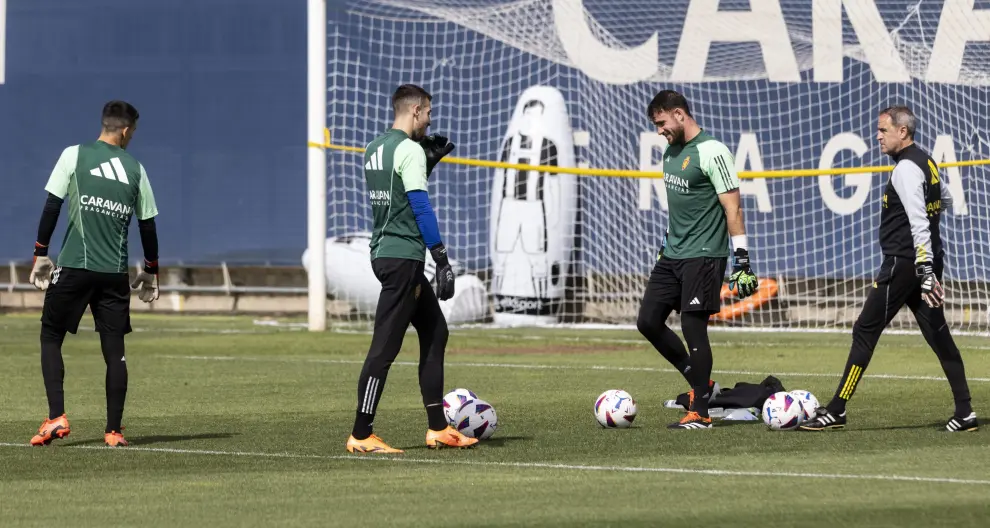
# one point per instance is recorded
(53, 372)
(695, 328)
(955, 372)
(433, 342)
(369, 393)
(856, 365)
(116, 380)
(362, 425)
(434, 413)
(866, 334)
(940, 339)
(853, 373)
(433, 334)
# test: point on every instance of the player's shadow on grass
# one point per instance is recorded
(720, 424)
(161, 439)
(157, 439)
(933, 425)
(498, 441)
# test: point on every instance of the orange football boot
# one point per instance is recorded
(449, 437)
(50, 430)
(372, 444)
(692, 420)
(114, 439)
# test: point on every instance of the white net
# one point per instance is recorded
(804, 97)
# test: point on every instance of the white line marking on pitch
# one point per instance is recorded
(560, 367)
(470, 331)
(534, 465)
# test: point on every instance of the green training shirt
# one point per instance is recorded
(394, 164)
(694, 174)
(105, 186)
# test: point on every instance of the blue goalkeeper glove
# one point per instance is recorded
(663, 245)
(743, 280)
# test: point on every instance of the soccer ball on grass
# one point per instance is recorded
(476, 418)
(615, 409)
(782, 411)
(453, 401)
(808, 402)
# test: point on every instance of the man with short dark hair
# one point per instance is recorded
(704, 211)
(105, 186)
(397, 165)
(910, 274)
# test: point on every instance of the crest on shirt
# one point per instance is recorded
(684, 164)
(417, 291)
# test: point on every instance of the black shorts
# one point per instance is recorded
(108, 296)
(688, 285)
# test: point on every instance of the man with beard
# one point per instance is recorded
(704, 211)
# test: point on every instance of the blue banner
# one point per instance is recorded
(221, 87)
(786, 99)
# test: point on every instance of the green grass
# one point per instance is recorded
(238, 424)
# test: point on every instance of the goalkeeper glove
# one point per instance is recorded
(41, 268)
(436, 147)
(663, 245)
(444, 275)
(743, 280)
(146, 282)
(931, 289)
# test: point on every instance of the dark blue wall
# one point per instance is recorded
(221, 87)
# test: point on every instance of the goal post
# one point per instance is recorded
(316, 162)
(563, 84)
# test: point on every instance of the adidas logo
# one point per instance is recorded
(375, 161)
(956, 423)
(111, 170)
(695, 301)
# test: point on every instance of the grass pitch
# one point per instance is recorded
(233, 423)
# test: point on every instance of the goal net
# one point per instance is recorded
(786, 85)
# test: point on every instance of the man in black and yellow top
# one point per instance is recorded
(396, 167)
(909, 275)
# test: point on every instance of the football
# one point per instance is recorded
(782, 411)
(808, 402)
(615, 409)
(453, 401)
(476, 418)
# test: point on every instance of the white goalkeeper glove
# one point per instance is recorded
(931, 289)
(41, 269)
(146, 282)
